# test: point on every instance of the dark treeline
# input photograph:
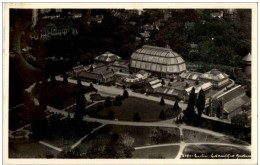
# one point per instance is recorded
(220, 40)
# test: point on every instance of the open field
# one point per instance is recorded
(168, 152)
(148, 110)
(215, 152)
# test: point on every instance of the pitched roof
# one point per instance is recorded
(231, 94)
(247, 58)
(236, 103)
(90, 75)
(154, 82)
(190, 75)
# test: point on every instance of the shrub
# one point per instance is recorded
(118, 101)
(111, 115)
(136, 117)
(100, 108)
(79, 82)
(176, 106)
(108, 102)
(162, 101)
(162, 115)
(125, 94)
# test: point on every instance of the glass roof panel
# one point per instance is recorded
(153, 68)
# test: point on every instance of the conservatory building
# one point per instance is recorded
(157, 60)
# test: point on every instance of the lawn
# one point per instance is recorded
(218, 152)
(148, 110)
(29, 149)
(67, 133)
(141, 135)
(191, 136)
(168, 152)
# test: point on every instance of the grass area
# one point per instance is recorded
(191, 136)
(141, 135)
(168, 152)
(67, 133)
(17, 118)
(148, 110)
(241, 133)
(25, 148)
(218, 152)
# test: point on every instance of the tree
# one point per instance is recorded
(189, 112)
(108, 101)
(125, 94)
(163, 82)
(200, 104)
(162, 115)
(79, 82)
(186, 85)
(65, 79)
(177, 120)
(176, 106)
(240, 120)
(192, 98)
(91, 68)
(53, 79)
(111, 115)
(91, 87)
(118, 101)
(197, 82)
(219, 110)
(162, 101)
(136, 117)
(80, 106)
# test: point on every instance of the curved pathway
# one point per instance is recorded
(183, 145)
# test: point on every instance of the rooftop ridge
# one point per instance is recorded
(156, 47)
(228, 91)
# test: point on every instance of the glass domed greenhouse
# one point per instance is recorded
(158, 60)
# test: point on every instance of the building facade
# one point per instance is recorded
(230, 103)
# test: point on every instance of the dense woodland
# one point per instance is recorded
(220, 40)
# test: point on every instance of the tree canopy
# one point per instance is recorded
(200, 104)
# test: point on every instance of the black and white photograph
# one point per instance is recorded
(131, 83)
